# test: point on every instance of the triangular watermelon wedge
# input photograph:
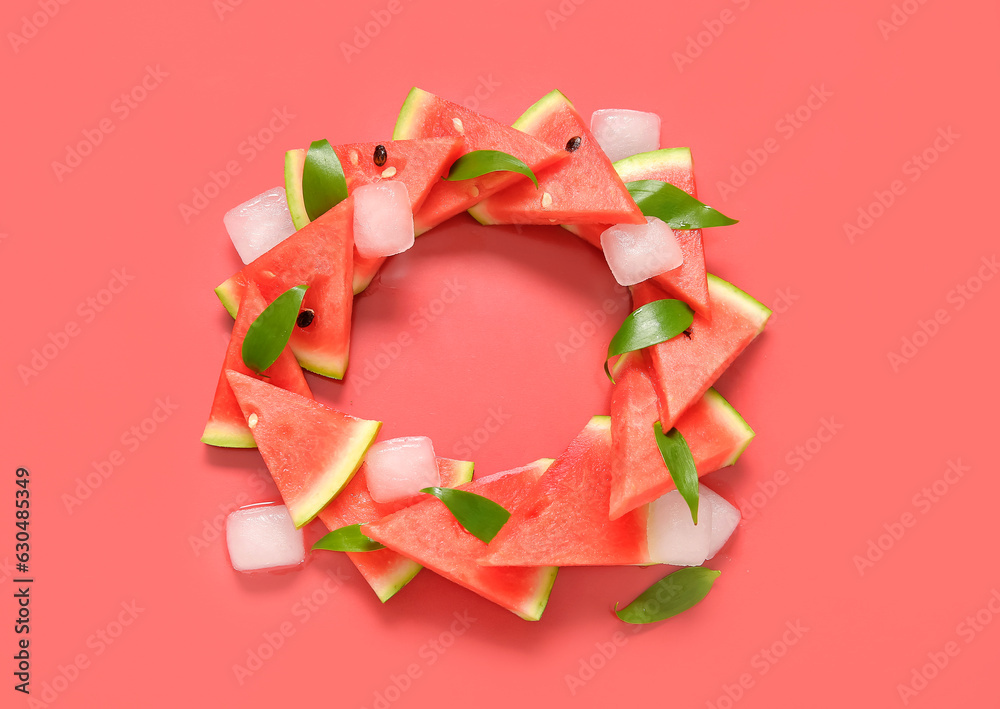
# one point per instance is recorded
(321, 256)
(311, 450)
(226, 426)
(419, 164)
(429, 534)
(685, 366)
(385, 570)
(716, 434)
(584, 189)
(424, 115)
(688, 282)
(564, 520)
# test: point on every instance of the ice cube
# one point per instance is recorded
(673, 537)
(725, 518)
(259, 224)
(636, 252)
(383, 221)
(400, 468)
(622, 133)
(263, 537)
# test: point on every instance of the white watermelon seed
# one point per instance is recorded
(457, 122)
(388, 172)
(546, 200)
(354, 157)
(252, 420)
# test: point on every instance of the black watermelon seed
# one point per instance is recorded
(573, 143)
(305, 318)
(380, 155)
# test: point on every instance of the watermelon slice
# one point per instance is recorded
(312, 451)
(226, 426)
(425, 115)
(687, 282)
(564, 520)
(716, 434)
(428, 533)
(385, 570)
(583, 189)
(419, 164)
(685, 366)
(319, 255)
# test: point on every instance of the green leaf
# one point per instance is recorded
(323, 182)
(674, 206)
(348, 538)
(649, 325)
(479, 516)
(672, 594)
(680, 463)
(269, 332)
(479, 162)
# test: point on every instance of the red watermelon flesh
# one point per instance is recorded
(226, 425)
(564, 520)
(429, 534)
(319, 255)
(582, 189)
(688, 282)
(716, 434)
(685, 366)
(419, 164)
(424, 115)
(311, 450)
(385, 571)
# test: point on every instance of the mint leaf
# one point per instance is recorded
(348, 538)
(677, 456)
(481, 517)
(674, 206)
(323, 182)
(481, 162)
(269, 332)
(649, 325)
(672, 594)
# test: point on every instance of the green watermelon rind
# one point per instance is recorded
(295, 161)
(387, 586)
(227, 436)
(541, 599)
(230, 293)
(735, 423)
(337, 474)
(403, 129)
(753, 309)
(540, 110)
(643, 163)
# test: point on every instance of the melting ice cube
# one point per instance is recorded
(622, 133)
(725, 518)
(263, 537)
(673, 537)
(636, 252)
(400, 468)
(383, 221)
(259, 224)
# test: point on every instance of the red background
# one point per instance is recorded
(841, 308)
